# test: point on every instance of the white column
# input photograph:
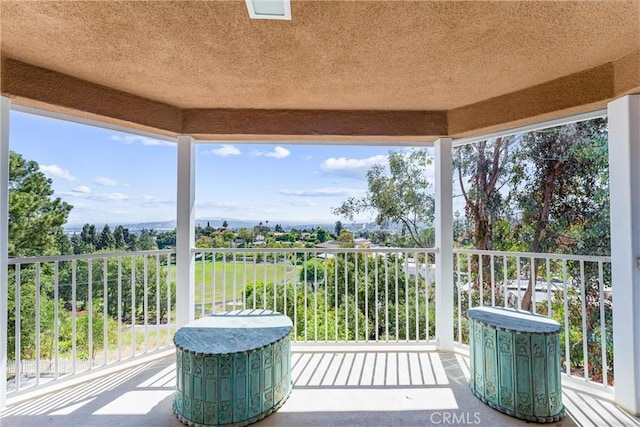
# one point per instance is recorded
(624, 184)
(185, 231)
(444, 243)
(4, 243)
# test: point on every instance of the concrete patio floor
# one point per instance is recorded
(333, 386)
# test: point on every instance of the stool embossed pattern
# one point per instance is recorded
(515, 363)
(233, 368)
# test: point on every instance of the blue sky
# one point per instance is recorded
(112, 177)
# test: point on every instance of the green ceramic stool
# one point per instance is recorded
(515, 363)
(233, 368)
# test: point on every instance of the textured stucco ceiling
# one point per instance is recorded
(338, 69)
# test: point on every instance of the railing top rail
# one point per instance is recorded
(54, 258)
(315, 250)
(539, 255)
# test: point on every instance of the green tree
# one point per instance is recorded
(106, 240)
(486, 166)
(400, 196)
(118, 235)
(562, 191)
(225, 224)
(246, 235)
(346, 239)
(147, 240)
(338, 228)
(166, 239)
(35, 217)
(321, 235)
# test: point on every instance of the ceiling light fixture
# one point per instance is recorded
(269, 9)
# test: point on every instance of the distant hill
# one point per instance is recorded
(233, 223)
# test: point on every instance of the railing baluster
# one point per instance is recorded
(386, 297)
(119, 308)
(133, 306)
(214, 281)
(18, 311)
(38, 332)
(377, 311)
(505, 279)
(145, 304)
(355, 292)
(469, 282)
(224, 281)
(264, 282)
(325, 283)
(235, 283)
(518, 281)
(585, 342)
(567, 330)
(459, 286)
(406, 297)
(481, 280)
(397, 286)
(346, 297)
(335, 287)
(427, 288)
(56, 319)
(157, 257)
(549, 310)
(90, 310)
(417, 292)
(493, 281)
(275, 282)
(74, 313)
(202, 299)
(315, 293)
(366, 297)
(255, 278)
(603, 325)
(305, 296)
(169, 299)
(105, 310)
(534, 282)
(244, 281)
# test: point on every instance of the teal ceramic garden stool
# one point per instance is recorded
(515, 363)
(233, 368)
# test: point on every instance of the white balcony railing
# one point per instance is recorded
(331, 295)
(69, 314)
(574, 290)
(73, 313)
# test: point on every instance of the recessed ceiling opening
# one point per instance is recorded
(269, 9)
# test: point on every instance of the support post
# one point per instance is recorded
(624, 185)
(444, 243)
(4, 245)
(185, 231)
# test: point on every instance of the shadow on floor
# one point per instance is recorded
(343, 388)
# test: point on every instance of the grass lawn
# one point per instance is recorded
(225, 273)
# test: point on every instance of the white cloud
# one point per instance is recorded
(111, 196)
(351, 168)
(277, 153)
(218, 205)
(82, 189)
(303, 203)
(322, 192)
(226, 150)
(144, 140)
(107, 182)
(148, 201)
(57, 172)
